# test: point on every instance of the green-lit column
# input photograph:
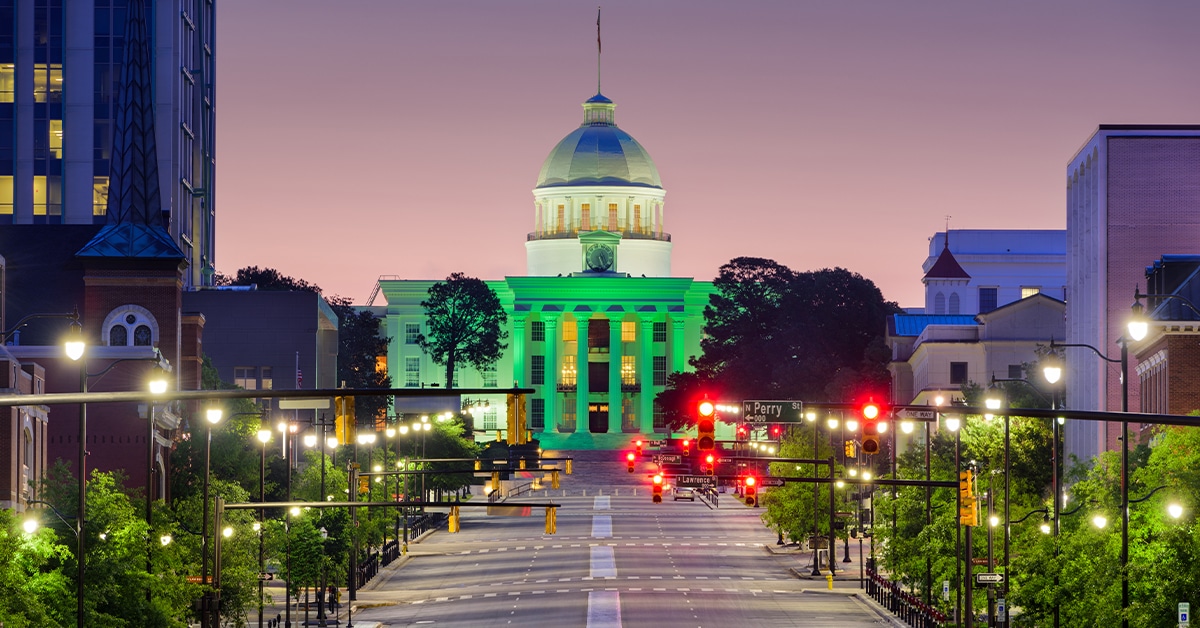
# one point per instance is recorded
(518, 347)
(582, 419)
(677, 349)
(614, 374)
(645, 377)
(550, 391)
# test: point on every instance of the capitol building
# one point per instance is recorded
(597, 323)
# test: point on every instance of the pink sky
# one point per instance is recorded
(361, 138)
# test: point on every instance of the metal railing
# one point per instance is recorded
(906, 606)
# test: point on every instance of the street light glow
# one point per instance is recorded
(953, 423)
(1175, 510)
(906, 427)
(832, 422)
(310, 440)
(214, 415)
(851, 425)
(264, 436)
(30, 526)
(1100, 521)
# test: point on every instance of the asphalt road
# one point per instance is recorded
(617, 560)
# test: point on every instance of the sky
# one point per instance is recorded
(364, 138)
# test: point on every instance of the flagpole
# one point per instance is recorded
(598, 49)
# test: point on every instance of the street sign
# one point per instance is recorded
(909, 412)
(772, 411)
(989, 578)
(724, 460)
(695, 481)
(667, 459)
(770, 482)
(1185, 613)
(1001, 611)
(655, 443)
(945, 590)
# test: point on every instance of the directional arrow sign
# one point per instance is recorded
(915, 413)
(772, 411)
(770, 481)
(989, 578)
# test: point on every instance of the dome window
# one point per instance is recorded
(131, 325)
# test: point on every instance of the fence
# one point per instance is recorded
(902, 604)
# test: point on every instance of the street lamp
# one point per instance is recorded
(953, 423)
(264, 437)
(213, 416)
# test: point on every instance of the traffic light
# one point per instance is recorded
(343, 424)
(629, 461)
(968, 514)
(657, 487)
(686, 445)
(850, 452)
(873, 426)
(551, 520)
(452, 525)
(708, 465)
(750, 491)
(706, 426)
(638, 443)
(741, 432)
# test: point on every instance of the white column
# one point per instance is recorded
(677, 353)
(614, 375)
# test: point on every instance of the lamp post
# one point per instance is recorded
(953, 424)
(213, 415)
(264, 437)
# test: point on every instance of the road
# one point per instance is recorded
(616, 561)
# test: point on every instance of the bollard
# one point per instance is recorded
(829, 578)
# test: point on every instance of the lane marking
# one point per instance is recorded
(603, 562)
(602, 503)
(604, 609)
(602, 526)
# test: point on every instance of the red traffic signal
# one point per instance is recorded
(874, 424)
(706, 426)
(638, 443)
(750, 490)
(657, 487)
(686, 444)
(708, 467)
(630, 458)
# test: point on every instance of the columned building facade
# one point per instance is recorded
(598, 323)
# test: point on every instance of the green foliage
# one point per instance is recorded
(359, 347)
(465, 321)
(775, 333)
(267, 279)
(32, 574)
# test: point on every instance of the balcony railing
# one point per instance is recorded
(573, 233)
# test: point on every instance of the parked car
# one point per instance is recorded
(683, 492)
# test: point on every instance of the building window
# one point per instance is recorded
(267, 377)
(245, 377)
(537, 331)
(958, 372)
(567, 417)
(130, 324)
(537, 370)
(612, 216)
(489, 418)
(118, 336)
(570, 331)
(628, 370)
(598, 335)
(489, 376)
(628, 418)
(585, 217)
(939, 304)
(537, 415)
(660, 420)
(637, 219)
(1028, 291)
(628, 331)
(660, 332)
(987, 300)
(569, 373)
(562, 218)
(412, 331)
(1016, 371)
(660, 370)
(412, 372)
(954, 305)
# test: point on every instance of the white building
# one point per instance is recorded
(989, 268)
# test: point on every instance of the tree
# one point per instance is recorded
(267, 279)
(360, 346)
(464, 318)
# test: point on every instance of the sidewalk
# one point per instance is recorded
(801, 560)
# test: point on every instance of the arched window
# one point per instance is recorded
(954, 303)
(939, 303)
(131, 325)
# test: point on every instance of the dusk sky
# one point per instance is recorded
(361, 138)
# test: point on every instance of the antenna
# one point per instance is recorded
(948, 217)
(598, 50)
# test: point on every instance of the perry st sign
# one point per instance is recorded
(772, 411)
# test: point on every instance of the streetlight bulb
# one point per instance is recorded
(840, 484)
(939, 401)
(331, 442)
(378, 468)
(158, 381)
(1052, 373)
(1061, 420)
(1175, 510)
(851, 425)
(992, 403)
(1045, 527)
(281, 426)
(428, 426)
(832, 423)
(214, 415)
(264, 436)
(310, 440)
(403, 430)
(1138, 325)
(257, 526)
(74, 345)
(853, 473)
(993, 521)
(295, 511)
(906, 427)
(810, 416)
(867, 475)
(30, 526)
(391, 432)
(227, 532)
(1100, 521)
(424, 418)
(165, 539)
(953, 423)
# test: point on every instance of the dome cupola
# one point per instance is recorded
(598, 153)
